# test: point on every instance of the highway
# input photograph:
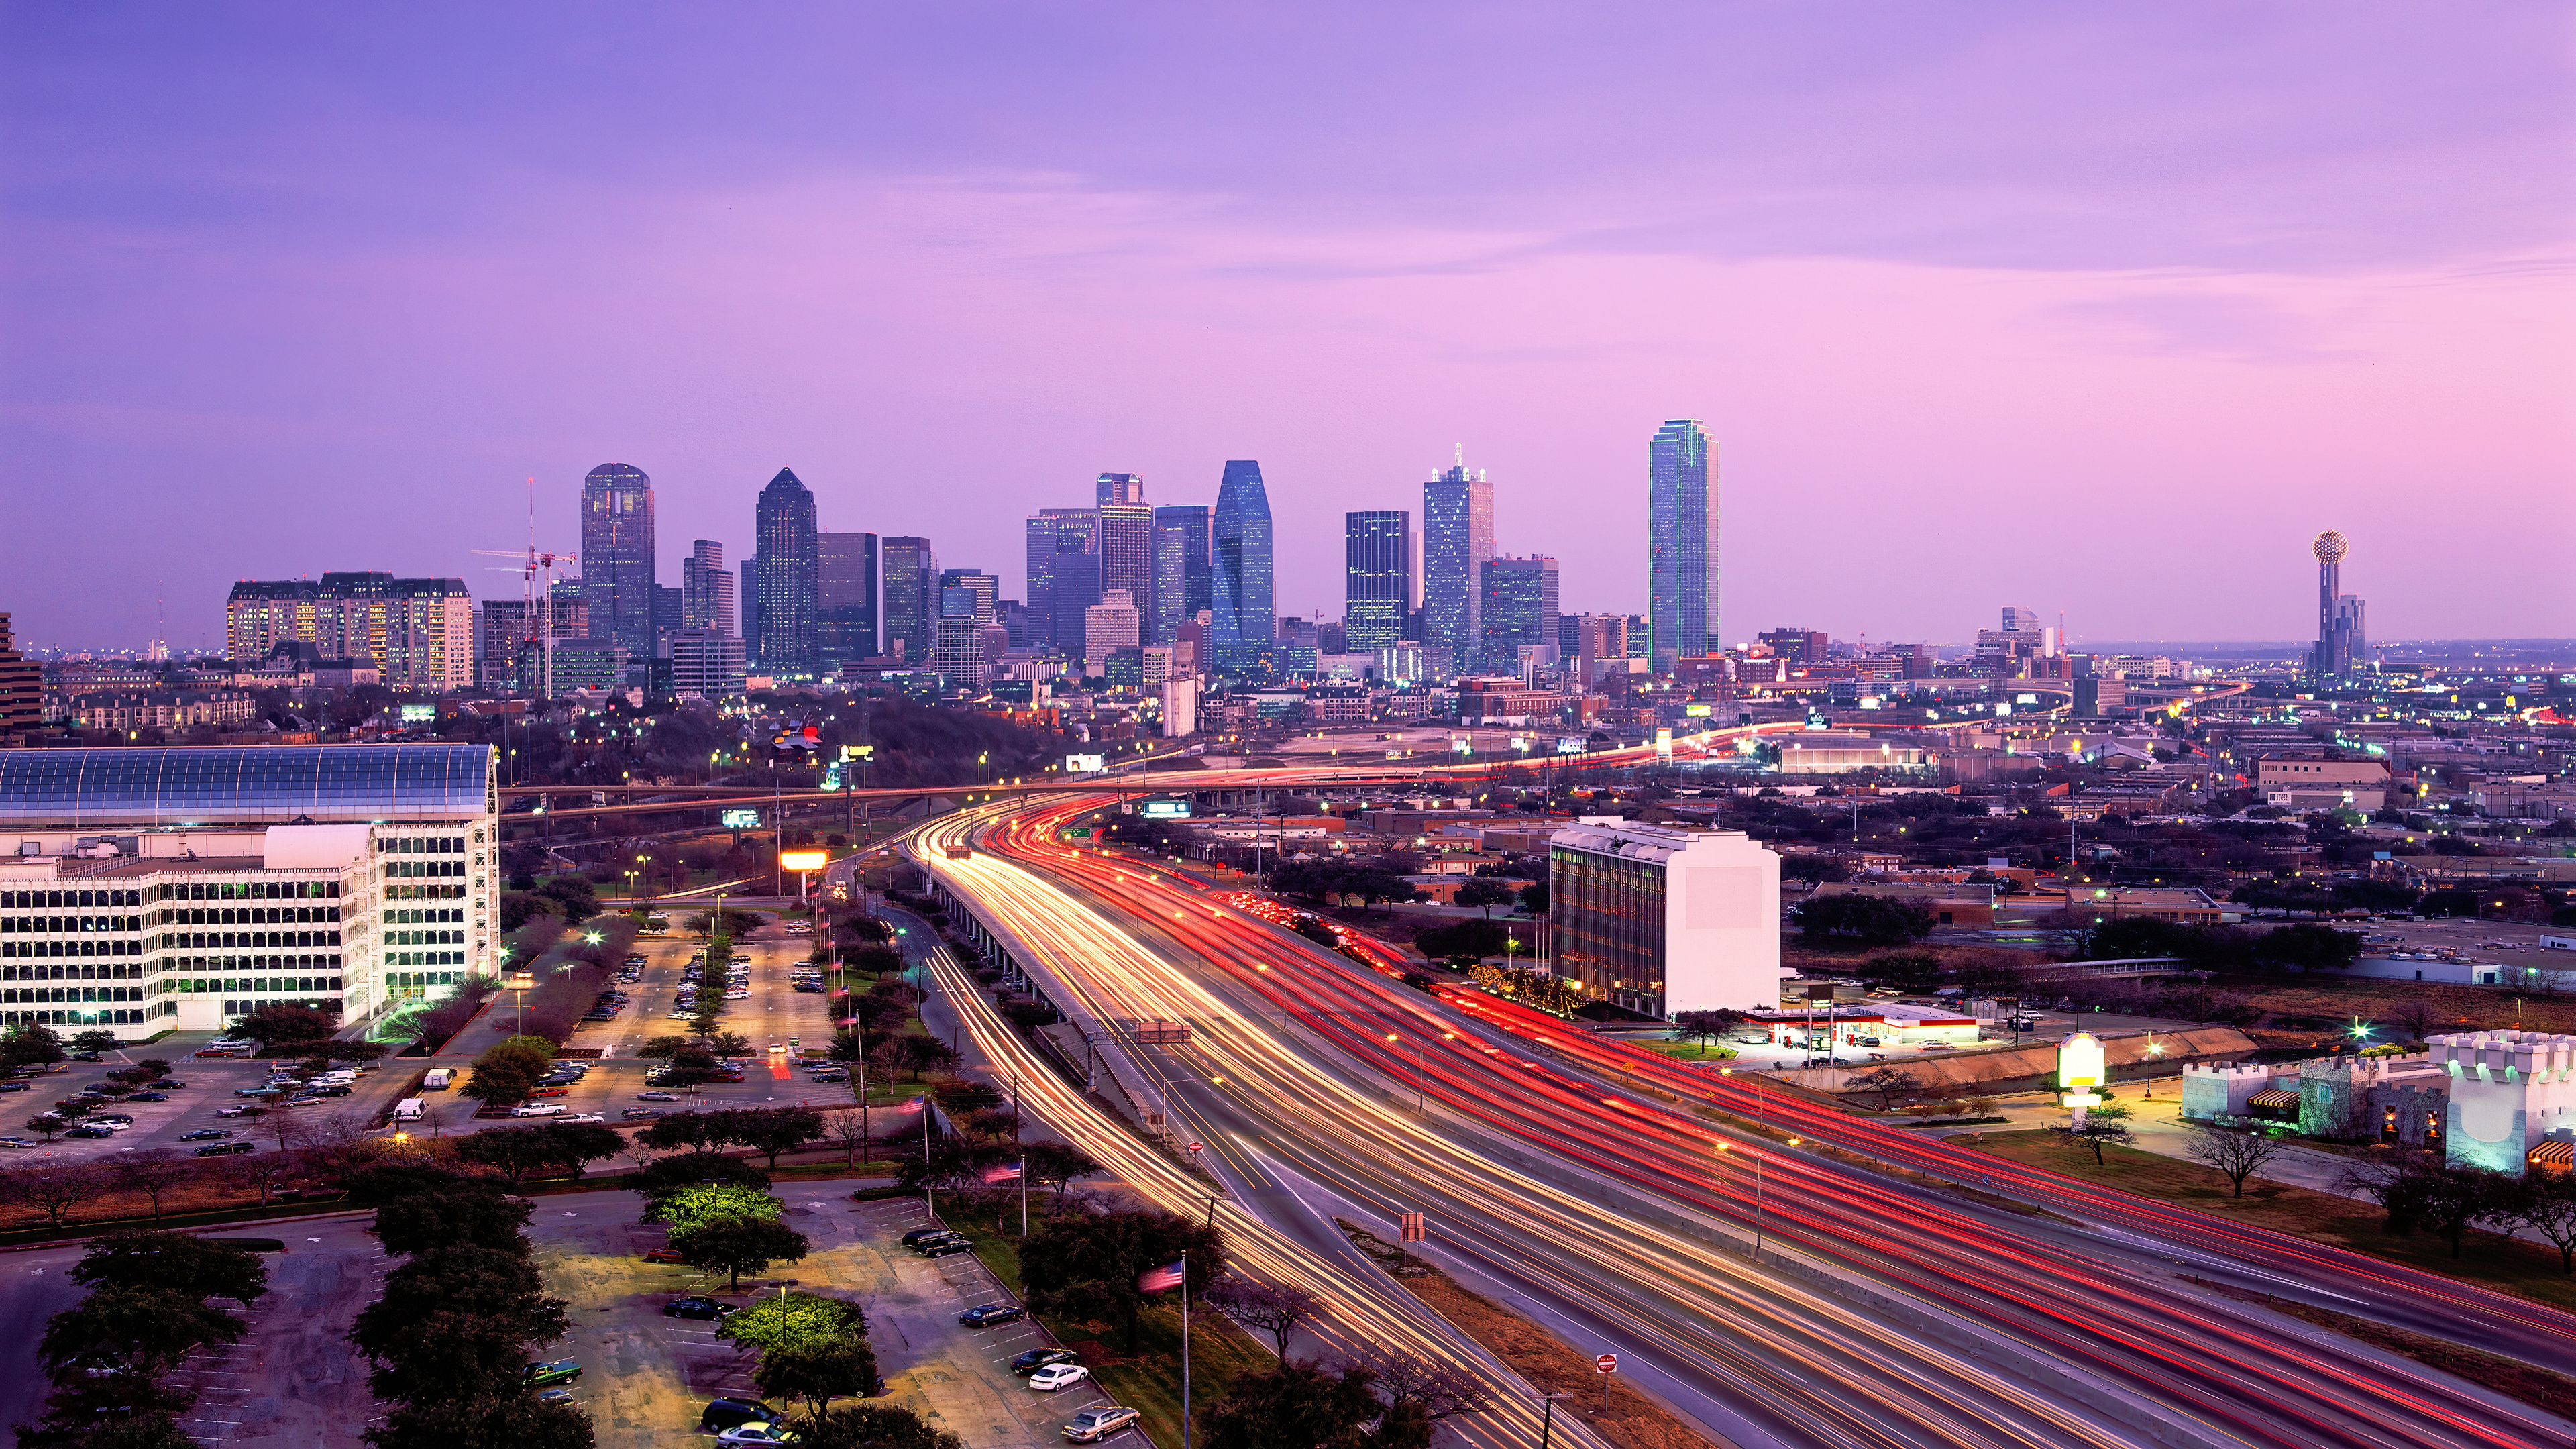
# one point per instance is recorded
(1882, 1312)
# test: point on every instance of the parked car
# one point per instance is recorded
(657, 1096)
(918, 1236)
(258, 1092)
(89, 1132)
(1058, 1376)
(756, 1433)
(991, 1313)
(663, 1255)
(170, 1084)
(943, 1247)
(583, 1117)
(1092, 1425)
(722, 1414)
(1038, 1358)
(561, 1371)
(19, 1142)
(538, 1109)
(828, 1077)
(205, 1134)
(551, 1092)
(241, 1111)
(706, 1308)
(636, 1114)
(16, 1087)
(226, 1149)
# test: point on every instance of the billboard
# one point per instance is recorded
(1085, 764)
(1571, 744)
(1167, 810)
(742, 820)
(804, 859)
(1695, 711)
(1664, 743)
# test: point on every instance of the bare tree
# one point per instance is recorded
(2238, 1154)
(638, 1151)
(338, 1143)
(53, 1191)
(1275, 1309)
(1441, 1391)
(261, 1172)
(2416, 1014)
(1887, 1083)
(155, 1172)
(850, 1129)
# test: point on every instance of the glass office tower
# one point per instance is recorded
(617, 555)
(1457, 538)
(1183, 580)
(1378, 573)
(783, 521)
(1681, 544)
(845, 597)
(910, 578)
(1241, 594)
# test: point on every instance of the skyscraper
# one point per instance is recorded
(1681, 543)
(783, 521)
(910, 574)
(1127, 550)
(1519, 608)
(1457, 537)
(1182, 578)
(845, 597)
(22, 694)
(1241, 638)
(1123, 488)
(957, 640)
(987, 589)
(617, 555)
(1378, 574)
(1050, 532)
(706, 589)
(2341, 646)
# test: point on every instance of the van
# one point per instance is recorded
(436, 1081)
(407, 1110)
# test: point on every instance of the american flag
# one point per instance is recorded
(1155, 1280)
(1007, 1172)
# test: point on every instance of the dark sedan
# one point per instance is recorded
(696, 1308)
(991, 1313)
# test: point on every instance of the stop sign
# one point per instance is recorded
(1198, 1147)
(1608, 1363)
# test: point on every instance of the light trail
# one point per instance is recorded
(2174, 1354)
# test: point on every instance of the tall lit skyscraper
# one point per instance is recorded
(1681, 543)
(987, 589)
(1518, 608)
(2341, 648)
(1457, 537)
(1183, 534)
(1242, 637)
(910, 575)
(1378, 574)
(845, 597)
(1049, 533)
(1126, 488)
(1127, 550)
(706, 589)
(783, 520)
(617, 555)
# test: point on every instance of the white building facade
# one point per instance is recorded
(1658, 919)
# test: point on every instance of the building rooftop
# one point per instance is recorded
(236, 785)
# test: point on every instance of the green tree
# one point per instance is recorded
(1465, 941)
(1534, 898)
(577, 900)
(2308, 946)
(518, 1151)
(500, 1420)
(734, 1246)
(96, 1039)
(1903, 970)
(1294, 1403)
(1088, 1264)
(454, 1323)
(818, 1373)
(776, 1130)
(1706, 1026)
(476, 1219)
(2544, 1202)
(874, 1426)
(671, 1175)
(1486, 894)
(2102, 1127)
(30, 1046)
(178, 1262)
(280, 1022)
(698, 1204)
(144, 1329)
(1869, 919)
(793, 1321)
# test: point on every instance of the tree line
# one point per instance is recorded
(111, 1356)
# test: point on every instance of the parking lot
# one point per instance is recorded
(211, 1085)
(774, 1011)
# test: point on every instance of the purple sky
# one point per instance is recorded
(2086, 308)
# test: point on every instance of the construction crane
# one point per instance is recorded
(537, 609)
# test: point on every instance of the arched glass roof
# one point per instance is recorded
(259, 784)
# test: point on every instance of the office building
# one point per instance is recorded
(1798, 646)
(617, 555)
(1127, 550)
(1241, 583)
(845, 598)
(1517, 609)
(1457, 538)
(22, 689)
(1681, 544)
(1050, 535)
(1665, 918)
(909, 575)
(509, 635)
(957, 652)
(667, 610)
(785, 578)
(705, 662)
(1183, 544)
(418, 634)
(706, 589)
(1378, 600)
(178, 889)
(986, 588)
(1112, 624)
(2342, 650)
(1120, 489)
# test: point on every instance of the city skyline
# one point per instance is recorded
(1905, 295)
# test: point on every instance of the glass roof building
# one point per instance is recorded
(253, 785)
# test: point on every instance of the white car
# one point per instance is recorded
(1058, 1376)
(538, 1109)
(584, 1117)
(737, 995)
(756, 1432)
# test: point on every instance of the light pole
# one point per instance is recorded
(1547, 1420)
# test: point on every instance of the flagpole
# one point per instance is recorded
(1185, 1349)
(1024, 1195)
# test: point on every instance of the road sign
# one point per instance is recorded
(1414, 1228)
(1607, 1363)
(1198, 1147)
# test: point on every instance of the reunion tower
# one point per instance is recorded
(2340, 647)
